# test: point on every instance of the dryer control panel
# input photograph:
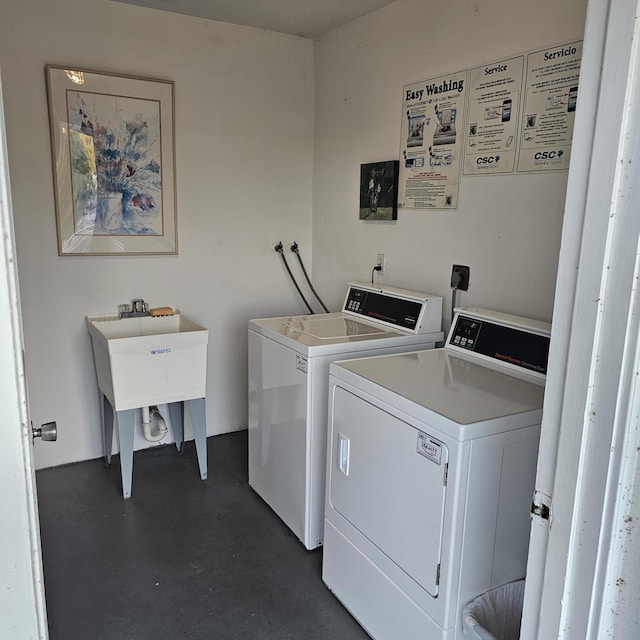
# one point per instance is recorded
(398, 308)
(502, 338)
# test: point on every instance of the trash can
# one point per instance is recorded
(496, 614)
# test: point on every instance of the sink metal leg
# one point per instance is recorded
(107, 429)
(125, 422)
(199, 424)
(176, 411)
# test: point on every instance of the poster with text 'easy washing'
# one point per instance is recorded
(492, 120)
(551, 92)
(431, 142)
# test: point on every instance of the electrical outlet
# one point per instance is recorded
(380, 263)
(460, 277)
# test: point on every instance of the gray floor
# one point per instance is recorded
(182, 559)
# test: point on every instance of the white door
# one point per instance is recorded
(381, 468)
(578, 584)
(22, 603)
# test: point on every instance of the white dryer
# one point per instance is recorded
(430, 474)
(289, 360)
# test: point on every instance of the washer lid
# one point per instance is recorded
(332, 328)
(333, 333)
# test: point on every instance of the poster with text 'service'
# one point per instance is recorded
(432, 136)
(495, 90)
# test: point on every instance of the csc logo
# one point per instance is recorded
(487, 159)
(547, 155)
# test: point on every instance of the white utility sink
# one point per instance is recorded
(149, 360)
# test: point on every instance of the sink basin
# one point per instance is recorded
(149, 360)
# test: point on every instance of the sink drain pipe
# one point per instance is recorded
(149, 413)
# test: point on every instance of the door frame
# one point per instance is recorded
(586, 462)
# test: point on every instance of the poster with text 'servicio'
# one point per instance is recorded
(494, 105)
(551, 93)
(431, 142)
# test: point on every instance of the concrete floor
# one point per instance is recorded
(182, 558)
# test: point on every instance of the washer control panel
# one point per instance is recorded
(504, 339)
(397, 308)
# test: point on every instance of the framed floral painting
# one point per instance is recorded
(112, 145)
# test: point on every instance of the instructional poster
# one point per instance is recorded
(492, 123)
(431, 142)
(551, 92)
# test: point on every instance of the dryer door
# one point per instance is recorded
(388, 479)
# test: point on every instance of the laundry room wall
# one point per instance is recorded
(506, 228)
(244, 127)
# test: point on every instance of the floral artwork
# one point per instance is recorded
(115, 155)
(113, 160)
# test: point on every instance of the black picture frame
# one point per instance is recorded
(379, 190)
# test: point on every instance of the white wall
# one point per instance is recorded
(506, 228)
(247, 154)
(244, 125)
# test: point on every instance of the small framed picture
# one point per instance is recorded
(379, 190)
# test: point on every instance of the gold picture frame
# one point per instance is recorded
(113, 158)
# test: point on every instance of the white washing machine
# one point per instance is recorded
(289, 361)
(430, 474)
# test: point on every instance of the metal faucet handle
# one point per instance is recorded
(136, 309)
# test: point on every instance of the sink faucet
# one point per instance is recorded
(136, 309)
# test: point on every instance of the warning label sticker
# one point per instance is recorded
(301, 363)
(429, 448)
